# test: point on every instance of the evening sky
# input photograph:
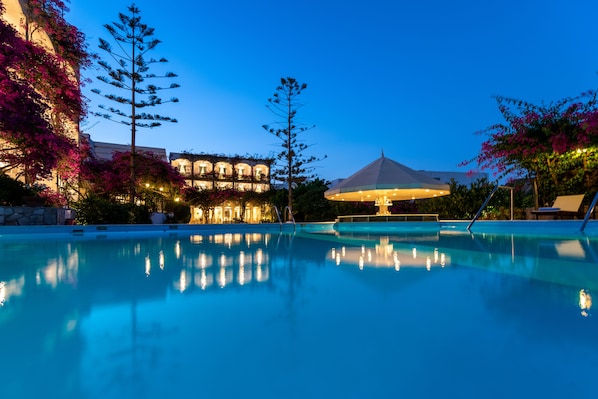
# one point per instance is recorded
(414, 79)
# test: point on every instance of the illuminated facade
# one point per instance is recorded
(219, 172)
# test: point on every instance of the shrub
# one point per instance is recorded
(94, 209)
(181, 213)
(13, 192)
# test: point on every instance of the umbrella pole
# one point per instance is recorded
(383, 203)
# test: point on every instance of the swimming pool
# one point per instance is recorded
(283, 313)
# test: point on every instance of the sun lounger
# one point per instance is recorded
(564, 205)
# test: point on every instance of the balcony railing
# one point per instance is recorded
(211, 176)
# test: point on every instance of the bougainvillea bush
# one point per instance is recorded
(553, 145)
(40, 98)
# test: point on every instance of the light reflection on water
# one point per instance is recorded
(269, 315)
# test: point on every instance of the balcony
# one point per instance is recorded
(215, 176)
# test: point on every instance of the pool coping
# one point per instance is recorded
(535, 227)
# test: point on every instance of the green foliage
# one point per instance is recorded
(464, 202)
(310, 204)
(181, 213)
(134, 40)
(352, 208)
(94, 209)
(13, 192)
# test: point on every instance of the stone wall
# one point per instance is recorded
(29, 216)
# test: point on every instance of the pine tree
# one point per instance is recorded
(134, 40)
(293, 167)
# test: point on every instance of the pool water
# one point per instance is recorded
(298, 315)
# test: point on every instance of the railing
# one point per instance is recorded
(278, 215)
(477, 215)
(291, 218)
(588, 213)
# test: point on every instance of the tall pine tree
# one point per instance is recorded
(131, 73)
(293, 167)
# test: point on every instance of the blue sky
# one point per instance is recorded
(414, 79)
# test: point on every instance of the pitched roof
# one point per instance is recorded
(387, 177)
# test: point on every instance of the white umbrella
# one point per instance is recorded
(384, 181)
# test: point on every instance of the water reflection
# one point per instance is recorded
(62, 297)
(585, 302)
(385, 254)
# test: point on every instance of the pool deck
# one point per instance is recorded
(533, 227)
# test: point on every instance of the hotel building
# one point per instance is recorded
(220, 172)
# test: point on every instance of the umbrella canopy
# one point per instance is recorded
(384, 181)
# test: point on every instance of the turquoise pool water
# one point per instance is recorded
(270, 314)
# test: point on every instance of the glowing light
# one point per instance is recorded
(161, 259)
(428, 263)
(333, 253)
(259, 273)
(585, 302)
(338, 259)
(203, 260)
(361, 263)
(241, 259)
(2, 293)
(177, 249)
(148, 265)
(241, 275)
(182, 281)
(203, 280)
(259, 256)
(222, 277)
(435, 255)
(414, 252)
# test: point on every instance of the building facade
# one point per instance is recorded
(14, 14)
(221, 172)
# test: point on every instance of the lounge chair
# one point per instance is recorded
(564, 205)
